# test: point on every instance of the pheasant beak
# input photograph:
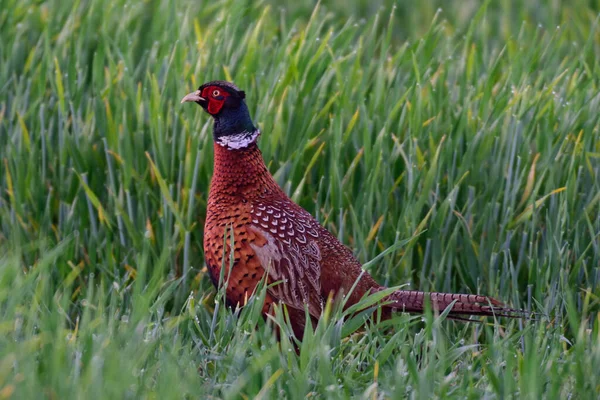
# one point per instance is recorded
(194, 96)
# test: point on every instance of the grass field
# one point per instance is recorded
(467, 136)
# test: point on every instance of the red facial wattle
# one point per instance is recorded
(216, 98)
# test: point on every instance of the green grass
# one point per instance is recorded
(475, 127)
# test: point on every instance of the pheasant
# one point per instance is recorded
(305, 264)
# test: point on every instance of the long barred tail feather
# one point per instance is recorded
(413, 301)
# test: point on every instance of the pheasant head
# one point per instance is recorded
(233, 127)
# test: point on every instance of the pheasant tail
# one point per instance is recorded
(462, 304)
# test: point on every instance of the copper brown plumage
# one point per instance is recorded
(274, 236)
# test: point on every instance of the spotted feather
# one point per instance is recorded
(291, 255)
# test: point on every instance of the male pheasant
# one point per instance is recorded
(274, 236)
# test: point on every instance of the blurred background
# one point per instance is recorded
(470, 127)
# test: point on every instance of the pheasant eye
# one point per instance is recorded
(216, 93)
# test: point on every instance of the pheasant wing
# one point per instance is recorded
(290, 253)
